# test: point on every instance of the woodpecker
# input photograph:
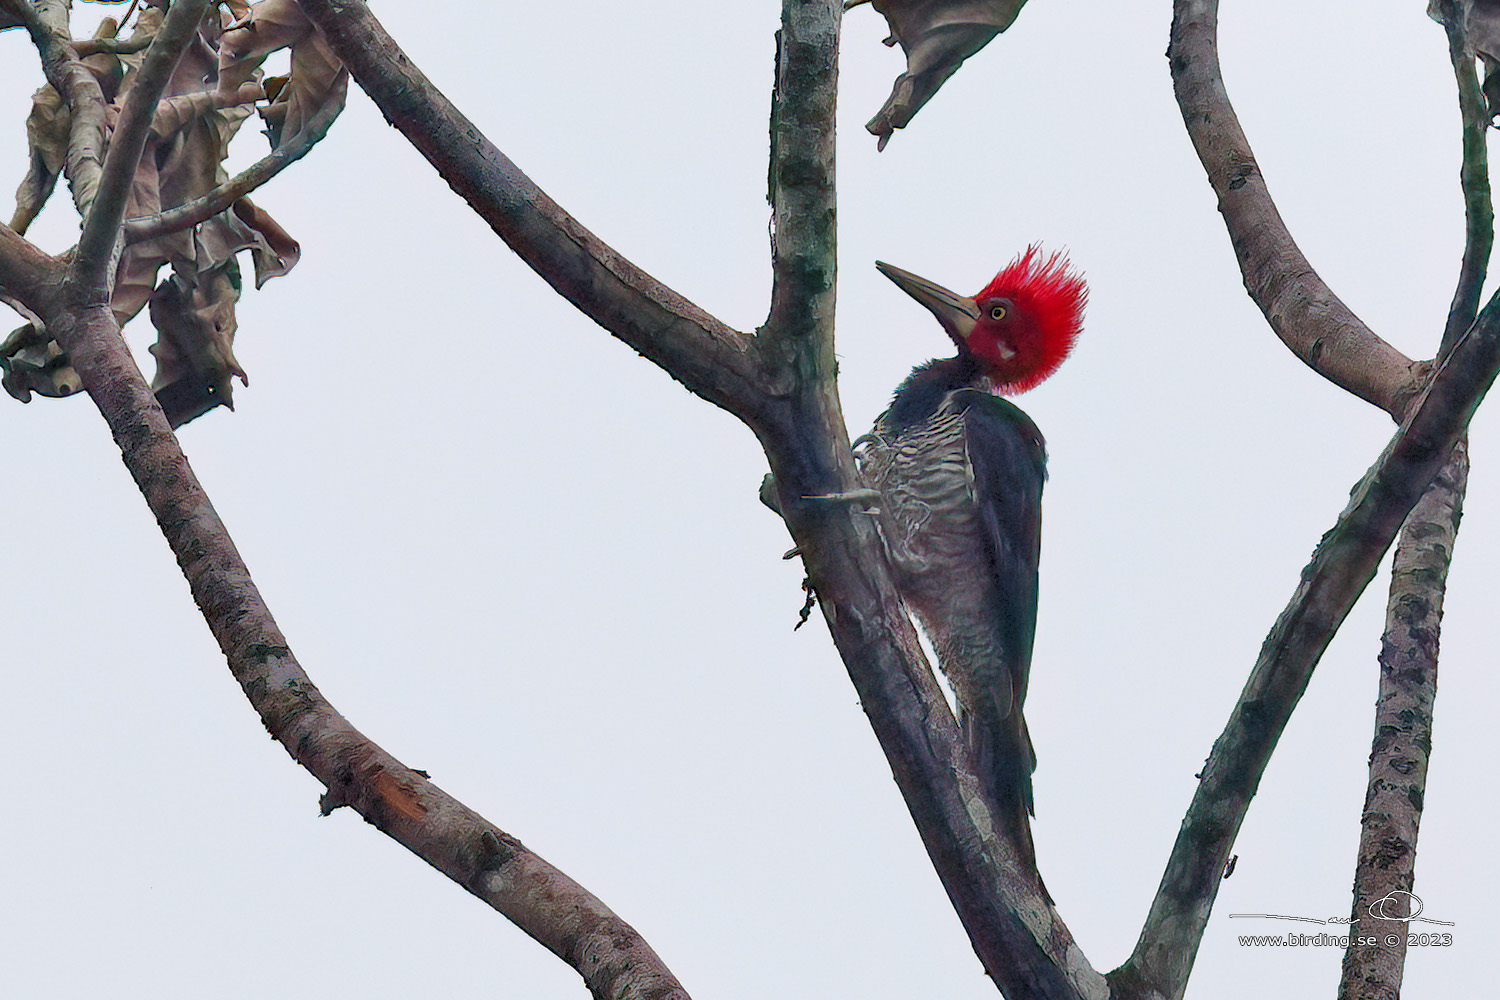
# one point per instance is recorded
(959, 472)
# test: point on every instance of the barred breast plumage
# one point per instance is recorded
(935, 538)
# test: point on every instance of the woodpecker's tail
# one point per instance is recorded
(1004, 759)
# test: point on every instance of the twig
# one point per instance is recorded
(114, 46)
(92, 264)
(700, 351)
(199, 210)
(1307, 316)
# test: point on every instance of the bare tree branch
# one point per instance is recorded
(1474, 177)
(222, 197)
(1307, 316)
(1014, 929)
(804, 240)
(614, 961)
(92, 264)
(25, 270)
(1374, 962)
(1018, 935)
(1384, 874)
(1344, 563)
(698, 350)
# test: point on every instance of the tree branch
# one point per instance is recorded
(1344, 563)
(1307, 316)
(698, 350)
(804, 238)
(1021, 941)
(1018, 936)
(92, 265)
(25, 270)
(613, 960)
(1474, 178)
(1385, 871)
(202, 209)
(1374, 962)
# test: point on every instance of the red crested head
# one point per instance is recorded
(1020, 328)
(1027, 320)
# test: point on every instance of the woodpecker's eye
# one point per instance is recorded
(997, 312)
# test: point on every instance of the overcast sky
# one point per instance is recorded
(520, 557)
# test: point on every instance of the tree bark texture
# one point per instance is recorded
(1385, 869)
(1303, 311)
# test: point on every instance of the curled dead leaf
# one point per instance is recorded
(317, 77)
(30, 361)
(193, 313)
(937, 36)
(47, 128)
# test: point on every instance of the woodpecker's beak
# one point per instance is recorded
(957, 313)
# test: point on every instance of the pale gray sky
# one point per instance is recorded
(520, 557)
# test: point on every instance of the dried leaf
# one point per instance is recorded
(193, 310)
(274, 252)
(47, 135)
(195, 324)
(269, 26)
(32, 362)
(317, 77)
(937, 36)
(47, 129)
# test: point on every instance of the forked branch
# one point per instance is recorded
(1322, 331)
(1344, 563)
(1386, 865)
(1385, 869)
